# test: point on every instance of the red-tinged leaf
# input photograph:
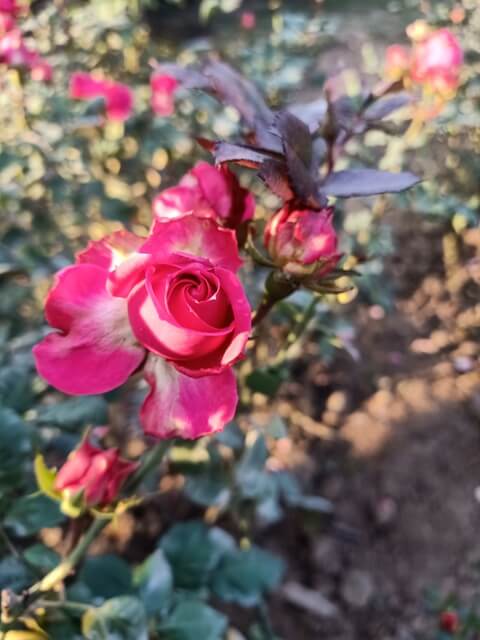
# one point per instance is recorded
(296, 135)
(232, 88)
(274, 174)
(366, 182)
(311, 113)
(385, 106)
(240, 154)
(188, 77)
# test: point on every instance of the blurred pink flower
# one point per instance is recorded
(437, 61)
(248, 20)
(163, 89)
(208, 192)
(302, 241)
(397, 61)
(118, 97)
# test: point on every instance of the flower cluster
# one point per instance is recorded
(118, 97)
(14, 52)
(170, 305)
(434, 60)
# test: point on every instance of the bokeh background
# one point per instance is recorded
(377, 413)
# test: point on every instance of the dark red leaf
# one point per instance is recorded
(366, 182)
(387, 105)
(311, 113)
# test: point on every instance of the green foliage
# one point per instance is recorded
(31, 513)
(154, 582)
(244, 577)
(193, 553)
(121, 618)
(192, 619)
(106, 576)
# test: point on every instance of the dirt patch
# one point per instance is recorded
(401, 466)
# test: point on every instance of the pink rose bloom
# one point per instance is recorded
(163, 89)
(437, 60)
(7, 23)
(118, 97)
(96, 474)
(9, 7)
(248, 20)
(397, 61)
(171, 303)
(41, 71)
(209, 192)
(302, 241)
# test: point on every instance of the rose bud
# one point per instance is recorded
(449, 622)
(302, 241)
(397, 61)
(437, 61)
(248, 20)
(93, 474)
(163, 89)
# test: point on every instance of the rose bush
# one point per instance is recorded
(170, 303)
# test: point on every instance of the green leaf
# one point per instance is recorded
(244, 577)
(14, 574)
(192, 552)
(193, 620)
(250, 475)
(106, 576)
(15, 448)
(41, 557)
(232, 436)
(120, 618)
(75, 413)
(208, 487)
(154, 581)
(266, 381)
(32, 513)
(16, 387)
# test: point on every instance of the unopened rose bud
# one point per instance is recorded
(449, 622)
(302, 242)
(94, 475)
(397, 61)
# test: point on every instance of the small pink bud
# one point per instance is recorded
(248, 20)
(163, 89)
(95, 473)
(302, 241)
(397, 61)
(449, 622)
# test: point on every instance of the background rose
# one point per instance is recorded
(437, 60)
(173, 299)
(118, 97)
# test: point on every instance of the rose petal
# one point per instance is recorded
(95, 350)
(158, 330)
(196, 236)
(178, 406)
(112, 250)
